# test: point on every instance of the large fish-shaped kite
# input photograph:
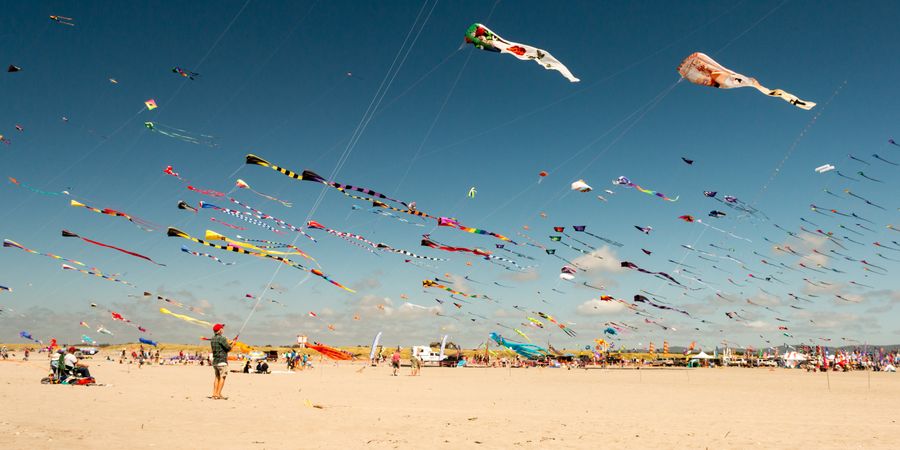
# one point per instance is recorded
(483, 38)
(698, 68)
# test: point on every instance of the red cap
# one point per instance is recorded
(218, 327)
(72, 349)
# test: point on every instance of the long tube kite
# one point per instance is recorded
(185, 318)
(142, 224)
(67, 233)
(432, 284)
(13, 244)
(174, 232)
(241, 184)
(623, 181)
(96, 274)
(38, 191)
(700, 69)
(631, 265)
(483, 38)
(185, 249)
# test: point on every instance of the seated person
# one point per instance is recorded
(72, 364)
(247, 366)
(262, 367)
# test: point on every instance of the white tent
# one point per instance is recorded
(702, 355)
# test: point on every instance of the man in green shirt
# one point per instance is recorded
(220, 348)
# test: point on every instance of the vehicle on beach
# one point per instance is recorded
(86, 351)
(427, 355)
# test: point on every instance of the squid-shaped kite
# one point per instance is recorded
(698, 68)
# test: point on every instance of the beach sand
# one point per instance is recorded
(167, 407)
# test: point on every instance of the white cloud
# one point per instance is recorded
(597, 307)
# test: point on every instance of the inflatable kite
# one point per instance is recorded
(483, 38)
(700, 69)
(529, 351)
(331, 353)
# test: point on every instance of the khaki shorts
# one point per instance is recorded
(221, 370)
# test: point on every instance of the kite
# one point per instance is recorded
(142, 224)
(845, 176)
(67, 233)
(485, 39)
(631, 265)
(243, 185)
(264, 249)
(580, 250)
(623, 181)
(171, 172)
(472, 192)
(147, 341)
(13, 68)
(102, 330)
(689, 162)
(432, 284)
(375, 210)
(702, 70)
(37, 191)
(642, 299)
(176, 303)
(87, 339)
(113, 81)
(453, 223)
(63, 20)
(185, 249)
(581, 186)
(857, 159)
(151, 105)
(331, 353)
(13, 244)
(261, 215)
(96, 273)
(645, 230)
(870, 203)
(185, 73)
(174, 232)
(184, 205)
(178, 133)
(529, 351)
(582, 229)
(893, 142)
(565, 329)
(233, 227)
(308, 175)
(542, 174)
(185, 318)
(860, 173)
(4, 288)
(884, 160)
(520, 333)
(27, 335)
(246, 217)
(716, 214)
(209, 192)
(426, 242)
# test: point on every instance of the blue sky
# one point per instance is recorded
(274, 83)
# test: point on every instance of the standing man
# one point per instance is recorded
(220, 348)
(395, 361)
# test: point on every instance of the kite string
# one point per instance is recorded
(360, 128)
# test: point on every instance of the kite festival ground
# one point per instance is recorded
(339, 406)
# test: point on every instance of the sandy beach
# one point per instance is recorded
(336, 406)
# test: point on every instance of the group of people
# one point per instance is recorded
(414, 362)
(261, 366)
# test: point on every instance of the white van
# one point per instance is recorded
(426, 354)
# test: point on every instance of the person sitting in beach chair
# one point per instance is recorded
(262, 367)
(76, 367)
(58, 369)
